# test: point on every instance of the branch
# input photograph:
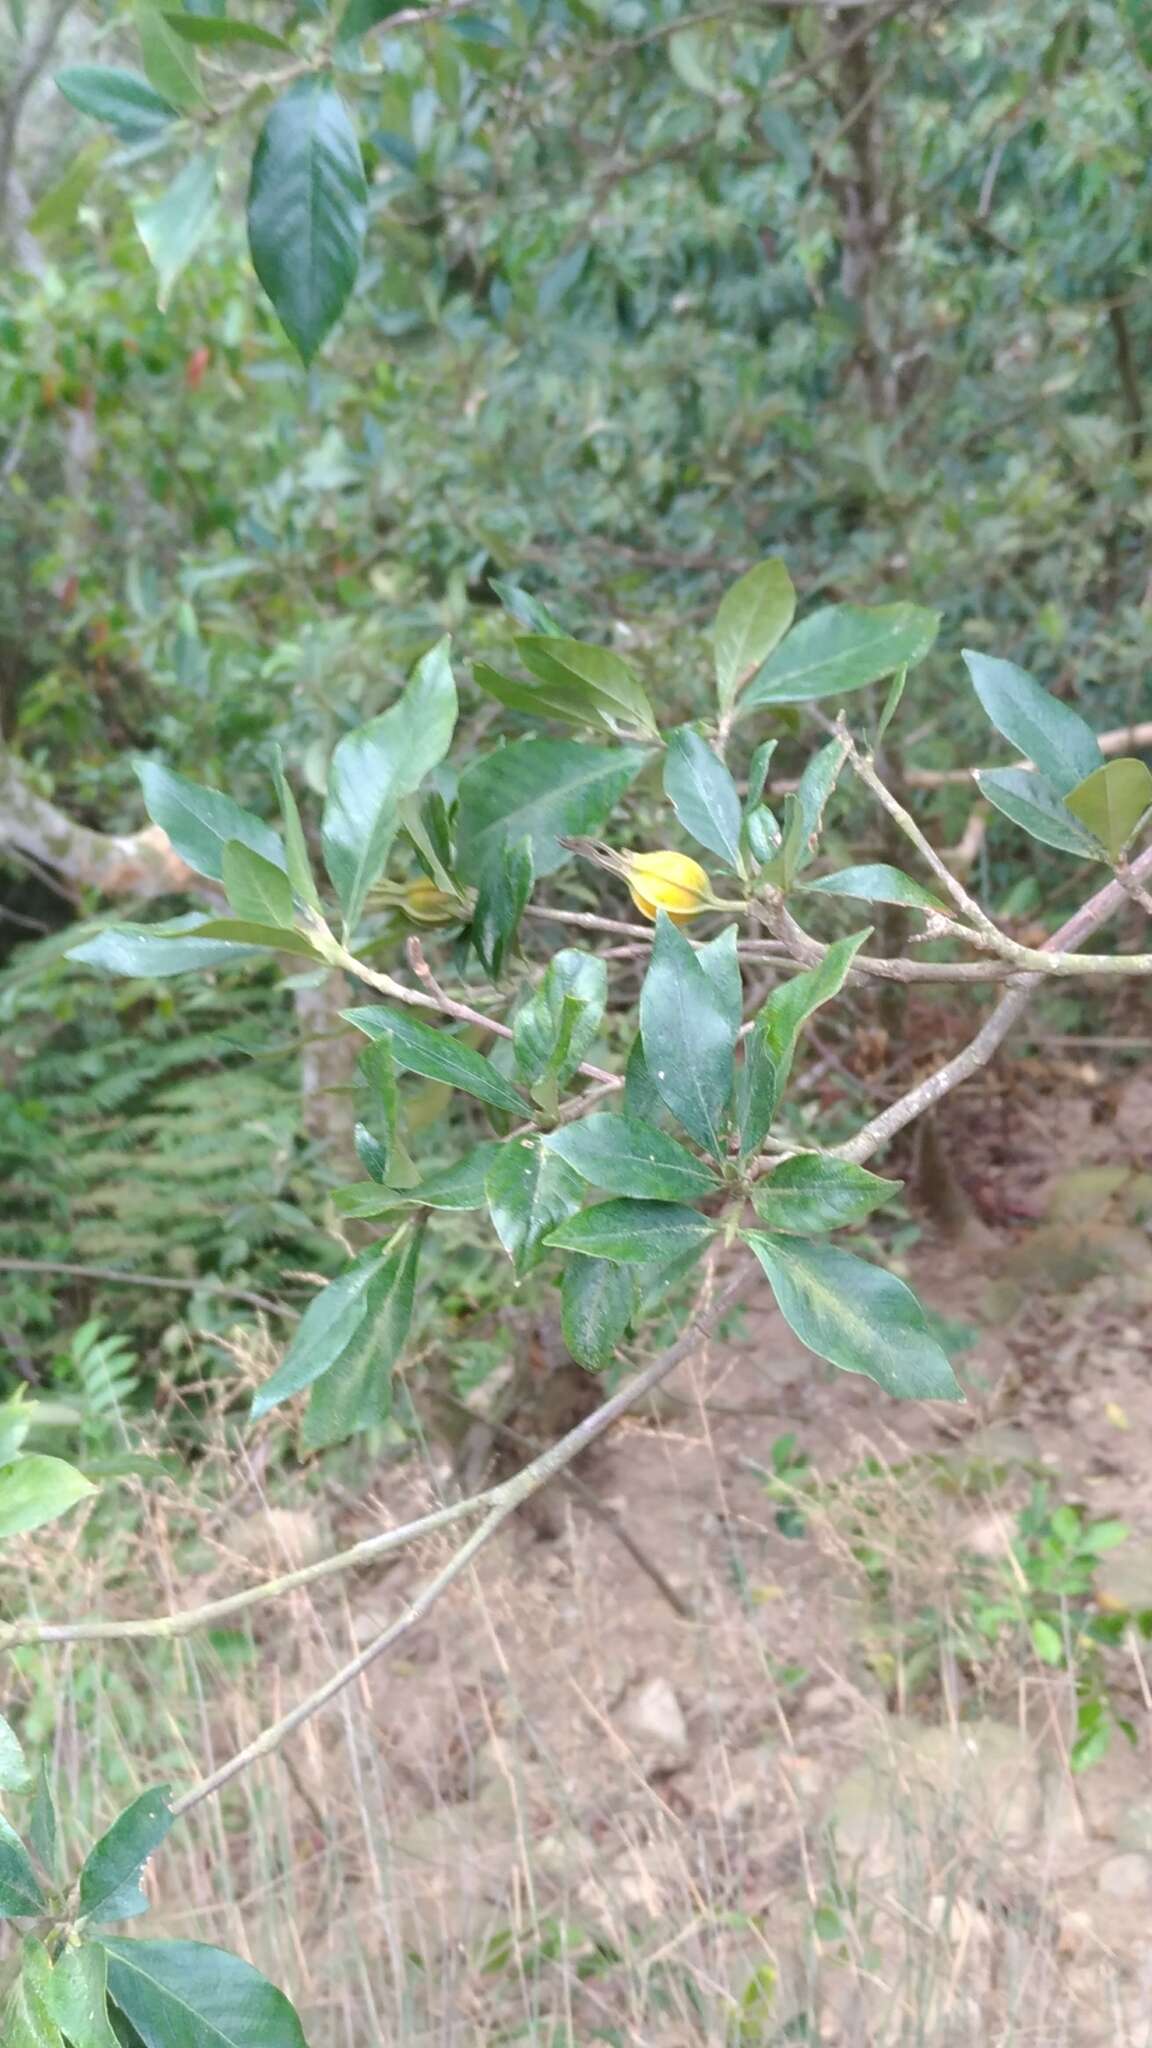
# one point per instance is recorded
(18, 92)
(113, 1277)
(129, 864)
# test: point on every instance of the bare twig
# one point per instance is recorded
(113, 1277)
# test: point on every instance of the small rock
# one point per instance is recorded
(1128, 1876)
(655, 1721)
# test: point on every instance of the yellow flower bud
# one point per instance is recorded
(667, 881)
(424, 903)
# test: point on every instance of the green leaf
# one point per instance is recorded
(809, 1194)
(758, 773)
(529, 1190)
(501, 894)
(1032, 803)
(857, 1316)
(1047, 1641)
(211, 31)
(703, 795)
(457, 1187)
(35, 1490)
(330, 1323)
(1049, 734)
(124, 101)
(20, 1892)
(74, 1992)
(200, 822)
(237, 931)
(169, 64)
(375, 768)
(640, 1097)
(688, 1037)
(1111, 802)
(361, 15)
(356, 1393)
(753, 618)
(804, 815)
(110, 1880)
(772, 1044)
(634, 1233)
(42, 1829)
(597, 1302)
(61, 203)
(153, 951)
(173, 226)
(568, 704)
(257, 889)
(596, 673)
(182, 1994)
(554, 1029)
(438, 1056)
(876, 882)
(379, 1070)
(720, 959)
(623, 1156)
(14, 1772)
(841, 648)
(295, 846)
(540, 789)
(26, 2023)
(307, 211)
(526, 609)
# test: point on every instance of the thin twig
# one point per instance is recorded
(113, 1277)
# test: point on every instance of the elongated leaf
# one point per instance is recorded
(200, 822)
(753, 618)
(857, 1316)
(307, 211)
(842, 648)
(173, 226)
(804, 815)
(438, 1056)
(361, 15)
(375, 768)
(110, 1879)
(379, 1070)
(597, 1302)
(501, 894)
(703, 795)
(36, 1489)
(809, 1194)
(688, 1036)
(540, 789)
(14, 1773)
(529, 1189)
(720, 959)
(258, 890)
(214, 31)
(876, 882)
(169, 63)
(356, 1393)
(328, 1326)
(772, 1044)
(526, 609)
(567, 703)
(554, 1029)
(24, 2019)
(182, 1994)
(20, 1892)
(457, 1187)
(125, 102)
(236, 931)
(60, 204)
(1032, 803)
(75, 1992)
(42, 1829)
(604, 677)
(1111, 802)
(295, 846)
(154, 951)
(1050, 734)
(623, 1156)
(634, 1233)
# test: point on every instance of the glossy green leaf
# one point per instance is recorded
(153, 952)
(36, 1489)
(703, 795)
(603, 677)
(720, 959)
(42, 1828)
(501, 894)
(758, 773)
(623, 1156)
(200, 822)
(24, 2019)
(841, 648)
(540, 789)
(377, 766)
(74, 1990)
(526, 609)
(125, 102)
(60, 204)
(634, 1233)
(688, 1037)
(378, 1067)
(640, 1097)
(1111, 802)
(356, 1393)
(808, 1194)
(597, 1302)
(236, 931)
(1049, 734)
(566, 703)
(557, 1026)
(804, 815)
(307, 211)
(20, 1891)
(418, 1049)
(857, 1316)
(216, 31)
(257, 889)
(110, 1879)
(1032, 803)
(530, 1190)
(182, 1994)
(173, 225)
(772, 1043)
(457, 1187)
(14, 1772)
(753, 618)
(361, 15)
(169, 63)
(876, 882)
(330, 1323)
(295, 846)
